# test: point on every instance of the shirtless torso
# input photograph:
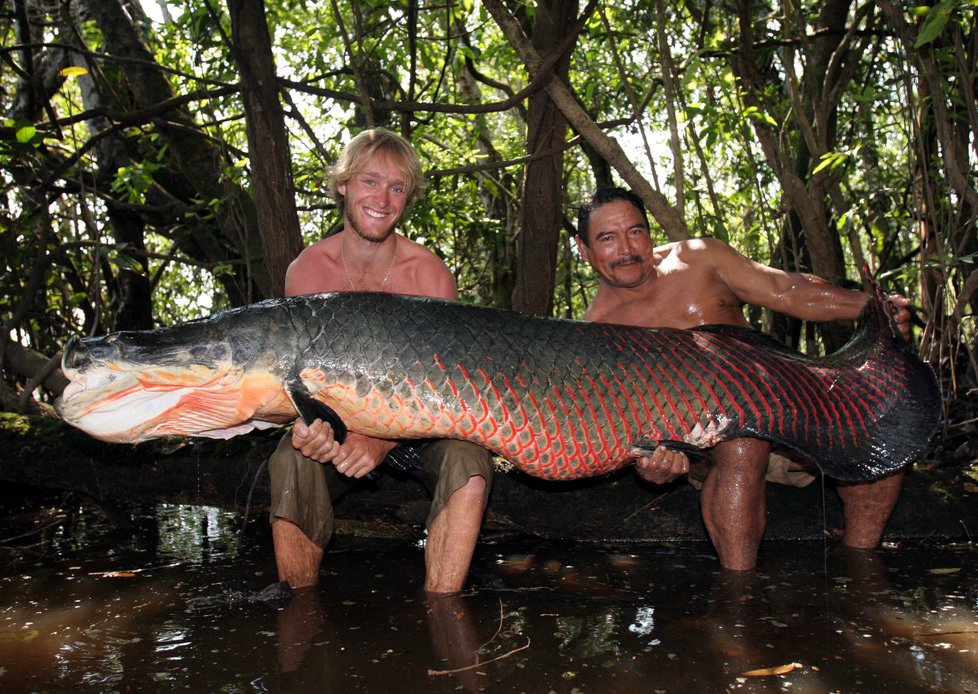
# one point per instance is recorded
(682, 293)
(337, 264)
(369, 255)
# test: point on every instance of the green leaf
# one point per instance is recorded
(73, 71)
(934, 22)
(26, 133)
(830, 160)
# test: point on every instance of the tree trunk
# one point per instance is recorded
(497, 193)
(543, 185)
(193, 155)
(268, 144)
(823, 81)
(659, 207)
(130, 293)
(804, 192)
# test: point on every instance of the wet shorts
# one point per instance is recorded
(303, 489)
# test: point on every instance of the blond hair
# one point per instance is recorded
(363, 148)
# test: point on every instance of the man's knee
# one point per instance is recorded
(475, 489)
(743, 457)
(300, 492)
(457, 472)
(457, 462)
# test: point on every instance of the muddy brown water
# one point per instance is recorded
(164, 603)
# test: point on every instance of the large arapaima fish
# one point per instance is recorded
(560, 399)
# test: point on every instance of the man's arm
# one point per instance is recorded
(796, 294)
(800, 295)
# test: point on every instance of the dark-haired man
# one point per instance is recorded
(685, 284)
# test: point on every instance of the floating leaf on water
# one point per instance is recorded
(949, 570)
(776, 670)
(20, 636)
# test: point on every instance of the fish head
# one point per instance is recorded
(128, 387)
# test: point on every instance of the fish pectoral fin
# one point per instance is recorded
(311, 409)
(405, 457)
(647, 447)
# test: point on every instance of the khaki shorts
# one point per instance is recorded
(782, 469)
(303, 489)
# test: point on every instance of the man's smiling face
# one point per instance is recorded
(375, 197)
(619, 244)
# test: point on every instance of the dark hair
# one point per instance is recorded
(602, 196)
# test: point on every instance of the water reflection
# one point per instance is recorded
(459, 648)
(197, 533)
(170, 603)
(298, 623)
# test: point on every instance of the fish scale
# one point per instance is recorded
(559, 399)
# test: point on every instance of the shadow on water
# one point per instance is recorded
(167, 604)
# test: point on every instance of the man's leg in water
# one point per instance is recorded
(866, 507)
(733, 501)
(463, 474)
(301, 512)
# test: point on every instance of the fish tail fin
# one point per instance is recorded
(897, 392)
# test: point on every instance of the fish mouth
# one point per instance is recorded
(120, 392)
(98, 408)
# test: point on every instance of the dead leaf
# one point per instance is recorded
(943, 572)
(776, 670)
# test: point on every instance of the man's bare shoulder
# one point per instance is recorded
(319, 251)
(419, 256)
(667, 249)
(706, 245)
(314, 269)
(422, 271)
(701, 260)
(412, 250)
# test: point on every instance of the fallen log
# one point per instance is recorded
(230, 474)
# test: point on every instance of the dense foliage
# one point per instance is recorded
(817, 136)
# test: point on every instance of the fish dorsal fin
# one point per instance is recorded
(311, 409)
